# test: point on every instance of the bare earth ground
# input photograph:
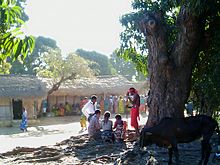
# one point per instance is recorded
(59, 141)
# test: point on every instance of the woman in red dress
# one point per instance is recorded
(134, 98)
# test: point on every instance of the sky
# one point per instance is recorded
(92, 25)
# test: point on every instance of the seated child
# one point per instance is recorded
(120, 128)
(106, 125)
(94, 126)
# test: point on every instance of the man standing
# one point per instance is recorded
(134, 98)
(89, 108)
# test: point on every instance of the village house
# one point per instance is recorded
(17, 91)
(102, 86)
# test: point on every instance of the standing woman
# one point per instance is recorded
(134, 98)
(23, 125)
(121, 105)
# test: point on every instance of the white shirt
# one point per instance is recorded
(89, 108)
(106, 126)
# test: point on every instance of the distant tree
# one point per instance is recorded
(100, 63)
(62, 69)
(174, 35)
(28, 65)
(125, 68)
(13, 42)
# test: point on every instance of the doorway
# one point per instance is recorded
(17, 108)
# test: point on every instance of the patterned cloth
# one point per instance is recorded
(120, 129)
(23, 125)
(107, 136)
(94, 127)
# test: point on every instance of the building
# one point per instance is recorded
(73, 91)
(18, 91)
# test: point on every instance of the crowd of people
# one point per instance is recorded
(112, 103)
(105, 129)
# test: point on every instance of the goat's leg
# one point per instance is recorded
(176, 153)
(170, 151)
(202, 152)
(207, 151)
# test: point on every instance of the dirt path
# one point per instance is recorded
(49, 131)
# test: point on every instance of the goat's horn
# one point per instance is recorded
(148, 133)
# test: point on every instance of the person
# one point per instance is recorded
(102, 106)
(134, 98)
(120, 128)
(44, 105)
(89, 108)
(106, 103)
(142, 104)
(95, 126)
(23, 125)
(121, 105)
(83, 117)
(106, 126)
(67, 108)
(61, 110)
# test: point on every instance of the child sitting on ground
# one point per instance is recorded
(106, 125)
(120, 128)
(94, 126)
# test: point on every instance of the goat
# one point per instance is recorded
(171, 131)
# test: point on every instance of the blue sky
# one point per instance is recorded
(87, 24)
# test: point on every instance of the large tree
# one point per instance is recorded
(172, 33)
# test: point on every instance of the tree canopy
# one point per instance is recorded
(61, 69)
(179, 43)
(100, 62)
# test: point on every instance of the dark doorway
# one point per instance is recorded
(17, 109)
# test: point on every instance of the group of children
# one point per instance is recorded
(105, 129)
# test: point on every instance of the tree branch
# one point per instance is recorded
(56, 86)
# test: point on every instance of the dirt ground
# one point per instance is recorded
(58, 141)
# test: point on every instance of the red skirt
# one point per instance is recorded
(134, 117)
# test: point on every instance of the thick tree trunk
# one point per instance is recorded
(170, 69)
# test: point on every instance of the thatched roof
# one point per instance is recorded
(21, 86)
(97, 85)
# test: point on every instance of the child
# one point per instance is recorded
(83, 118)
(23, 125)
(95, 126)
(83, 122)
(106, 125)
(120, 128)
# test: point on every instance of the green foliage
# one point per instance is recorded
(98, 62)
(13, 43)
(205, 82)
(56, 67)
(206, 79)
(28, 65)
